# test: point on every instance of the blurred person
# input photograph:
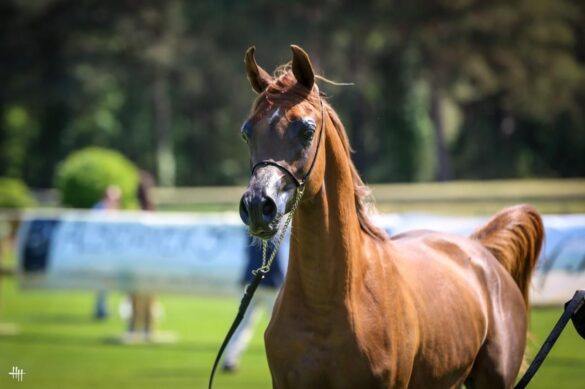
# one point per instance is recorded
(6, 240)
(263, 301)
(5, 243)
(142, 304)
(110, 201)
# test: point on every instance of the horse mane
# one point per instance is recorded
(285, 87)
(362, 193)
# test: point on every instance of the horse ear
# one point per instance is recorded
(302, 68)
(258, 77)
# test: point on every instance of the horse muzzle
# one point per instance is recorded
(265, 202)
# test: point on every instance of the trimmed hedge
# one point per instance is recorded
(84, 175)
(15, 194)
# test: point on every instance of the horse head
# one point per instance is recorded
(283, 134)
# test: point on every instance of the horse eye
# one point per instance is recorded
(308, 135)
(308, 131)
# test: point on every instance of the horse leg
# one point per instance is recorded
(499, 360)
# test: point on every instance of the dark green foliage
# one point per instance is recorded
(14, 194)
(84, 176)
(163, 83)
(493, 144)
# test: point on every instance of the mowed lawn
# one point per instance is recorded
(59, 345)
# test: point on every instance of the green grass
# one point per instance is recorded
(60, 346)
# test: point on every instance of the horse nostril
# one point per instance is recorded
(268, 209)
(244, 214)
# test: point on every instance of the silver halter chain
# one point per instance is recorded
(267, 263)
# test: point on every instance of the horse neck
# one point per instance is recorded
(326, 237)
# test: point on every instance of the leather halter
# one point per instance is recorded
(299, 182)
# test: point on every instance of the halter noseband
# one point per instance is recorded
(299, 182)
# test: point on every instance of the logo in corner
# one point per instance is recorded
(17, 374)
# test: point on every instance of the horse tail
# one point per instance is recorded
(514, 236)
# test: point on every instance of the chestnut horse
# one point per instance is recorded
(359, 309)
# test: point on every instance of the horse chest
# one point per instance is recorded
(317, 357)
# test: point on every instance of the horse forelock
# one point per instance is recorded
(285, 91)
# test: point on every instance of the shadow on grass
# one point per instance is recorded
(186, 373)
(73, 340)
(61, 318)
(52, 339)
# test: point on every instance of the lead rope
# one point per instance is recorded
(571, 308)
(258, 276)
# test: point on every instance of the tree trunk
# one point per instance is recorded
(165, 156)
(443, 167)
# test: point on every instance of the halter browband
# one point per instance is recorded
(303, 180)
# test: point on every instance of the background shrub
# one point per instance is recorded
(14, 194)
(85, 174)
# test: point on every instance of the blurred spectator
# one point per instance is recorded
(110, 201)
(263, 301)
(8, 226)
(142, 304)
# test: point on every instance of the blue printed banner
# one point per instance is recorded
(205, 253)
(134, 251)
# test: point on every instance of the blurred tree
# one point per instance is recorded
(469, 51)
(444, 88)
(15, 194)
(83, 177)
(526, 81)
